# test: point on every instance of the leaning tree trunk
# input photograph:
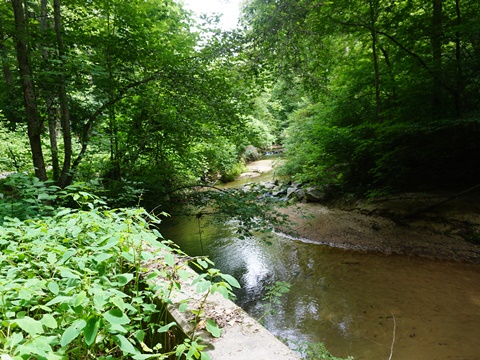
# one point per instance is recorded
(34, 123)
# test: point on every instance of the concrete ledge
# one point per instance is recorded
(242, 338)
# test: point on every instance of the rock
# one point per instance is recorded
(295, 193)
(314, 195)
(279, 191)
(290, 191)
(300, 193)
(269, 185)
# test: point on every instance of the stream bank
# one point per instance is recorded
(433, 236)
(407, 224)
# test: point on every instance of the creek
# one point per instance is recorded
(366, 305)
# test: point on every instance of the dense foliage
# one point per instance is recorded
(392, 89)
(130, 92)
(143, 104)
(92, 283)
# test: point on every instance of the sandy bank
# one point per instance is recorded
(432, 235)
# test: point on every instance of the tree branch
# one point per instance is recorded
(92, 118)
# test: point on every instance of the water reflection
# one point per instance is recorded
(351, 301)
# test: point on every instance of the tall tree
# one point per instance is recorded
(437, 34)
(30, 100)
(403, 62)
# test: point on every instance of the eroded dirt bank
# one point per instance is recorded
(429, 225)
(395, 226)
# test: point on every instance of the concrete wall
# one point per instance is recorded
(242, 338)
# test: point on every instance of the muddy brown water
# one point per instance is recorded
(357, 304)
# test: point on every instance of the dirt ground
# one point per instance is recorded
(408, 224)
(395, 226)
(256, 168)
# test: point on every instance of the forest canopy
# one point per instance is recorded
(366, 96)
(127, 91)
(392, 89)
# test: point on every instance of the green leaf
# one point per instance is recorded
(67, 255)
(166, 327)
(78, 299)
(146, 255)
(72, 332)
(102, 257)
(14, 339)
(63, 212)
(202, 263)
(116, 329)
(128, 256)
(51, 258)
(140, 335)
(183, 307)
(116, 317)
(124, 279)
(67, 273)
(221, 290)
(205, 356)
(184, 275)
(31, 326)
(203, 286)
(53, 287)
(59, 299)
(169, 259)
(212, 328)
(118, 302)
(91, 329)
(231, 280)
(49, 321)
(125, 345)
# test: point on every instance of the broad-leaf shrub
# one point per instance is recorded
(75, 286)
(25, 197)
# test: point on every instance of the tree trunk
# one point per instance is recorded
(49, 98)
(7, 74)
(394, 98)
(458, 57)
(437, 34)
(66, 175)
(9, 110)
(373, 33)
(30, 101)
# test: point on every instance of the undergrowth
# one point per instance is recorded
(74, 282)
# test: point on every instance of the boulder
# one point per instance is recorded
(290, 191)
(314, 195)
(269, 185)
(279, 191)
(295, 194)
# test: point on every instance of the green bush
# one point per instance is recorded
(233, 173)
(76, 284)
(251, 153)
(14, 148)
